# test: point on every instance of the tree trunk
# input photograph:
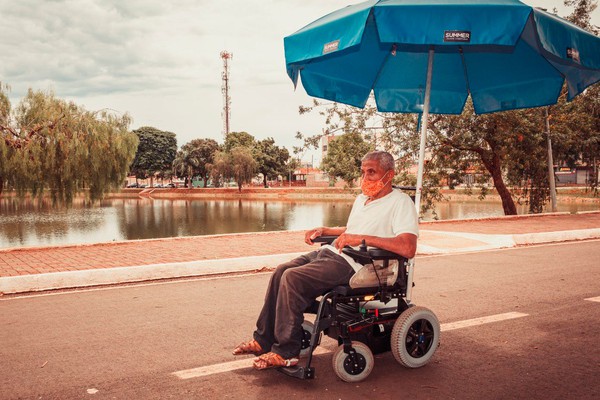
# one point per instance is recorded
(493, 166)
(265, 181)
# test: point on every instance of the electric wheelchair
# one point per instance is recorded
(370, 320)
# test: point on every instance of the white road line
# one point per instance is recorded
(247, 362)
(596, 299)
(480, 321)
(213, 369)
(226, 367)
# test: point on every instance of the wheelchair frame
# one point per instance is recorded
(412, 333)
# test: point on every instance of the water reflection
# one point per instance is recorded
(30, 224)
(38, 224)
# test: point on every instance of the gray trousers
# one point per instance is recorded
(293, 287)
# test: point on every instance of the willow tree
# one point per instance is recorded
(51, 145)
(237, 164)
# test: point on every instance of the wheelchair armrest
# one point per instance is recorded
(374, 253)
(361, 257)
(380, 254)
(324, 239)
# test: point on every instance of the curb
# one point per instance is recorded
(140, 273)
(551, 237)
(108, 276)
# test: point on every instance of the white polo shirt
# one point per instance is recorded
(389, 216)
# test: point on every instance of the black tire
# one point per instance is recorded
(353, 371)
(415, 337)
(307, 330)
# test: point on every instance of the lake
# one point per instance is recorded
(31, 224)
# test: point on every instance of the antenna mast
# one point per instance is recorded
(225, 90)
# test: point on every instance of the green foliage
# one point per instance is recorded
(238, 164)
(237, 139)
(509, 147)
(155, 153)
(582, 13)
(243, 165)
(195, 159)
(344, 156)
(575, 132)
(243, 157)
(220, 169)
(271, 159)
(50, 144)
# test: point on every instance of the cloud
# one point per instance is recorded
(159, 60)
(94, 47)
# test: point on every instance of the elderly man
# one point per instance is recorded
(381, 216)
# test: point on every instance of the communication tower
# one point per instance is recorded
(226, 56)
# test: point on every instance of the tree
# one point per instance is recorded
(237, 161)
(582, 14)
(195, 159)
(243, 165)
(220, 168)
(509, 147)
(182, 167)
(344, 156)
(238, 164)
(155, 153)
(237, 139)
(271, 159)
(506, 144)
(49, 144)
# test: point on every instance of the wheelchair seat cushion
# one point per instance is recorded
(375, 275)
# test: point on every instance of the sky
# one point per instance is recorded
(159, 61)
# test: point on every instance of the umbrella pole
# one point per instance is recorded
(425, 120)
(551, 178)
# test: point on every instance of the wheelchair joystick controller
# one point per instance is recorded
(363, 246)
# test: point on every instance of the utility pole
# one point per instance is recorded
(226, 56)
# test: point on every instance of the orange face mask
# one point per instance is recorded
(372, 188)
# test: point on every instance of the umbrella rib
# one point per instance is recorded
(391, 53)
(464, 64)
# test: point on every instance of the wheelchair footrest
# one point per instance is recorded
(298, 372)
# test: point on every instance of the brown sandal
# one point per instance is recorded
(251, 347)
(273, 360)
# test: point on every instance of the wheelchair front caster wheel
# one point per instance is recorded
(307, 331)
(353, 367)
(415, 337)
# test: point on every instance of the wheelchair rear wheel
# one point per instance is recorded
(415, 337)
(353, 367)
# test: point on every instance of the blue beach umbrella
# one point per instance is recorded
(422, 56)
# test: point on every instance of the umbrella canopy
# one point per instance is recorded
(503, 53)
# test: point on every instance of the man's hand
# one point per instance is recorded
(312, 234)
(347, 239)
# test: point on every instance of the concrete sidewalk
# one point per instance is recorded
(36, 269)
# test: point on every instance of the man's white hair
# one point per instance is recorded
(385, 159)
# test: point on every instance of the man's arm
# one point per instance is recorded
(322, 231)
(404, 244)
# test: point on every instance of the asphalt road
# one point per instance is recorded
(127, 342)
